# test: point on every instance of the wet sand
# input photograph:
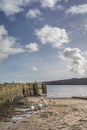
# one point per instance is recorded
(60, 114)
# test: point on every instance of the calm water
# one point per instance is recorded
(66, 90)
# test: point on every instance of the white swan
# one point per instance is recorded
(40, 106)
(32, 108)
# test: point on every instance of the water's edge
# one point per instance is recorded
(66, 91)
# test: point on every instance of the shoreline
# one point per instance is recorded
(60, 114)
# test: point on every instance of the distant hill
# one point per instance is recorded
(73, 81)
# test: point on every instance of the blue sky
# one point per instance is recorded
(42, 40)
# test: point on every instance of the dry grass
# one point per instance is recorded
(11, 91)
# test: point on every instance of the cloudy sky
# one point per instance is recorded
(42, 40)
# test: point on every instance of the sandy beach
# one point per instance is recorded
(60, 114)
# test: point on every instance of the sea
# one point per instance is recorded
(66, 91)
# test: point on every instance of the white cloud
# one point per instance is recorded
(60, 7)
(75, 59)
(85, 53)
(11, 7)
(33, 13)
(34, 68)
(49, 3)
(77, 9)
(8, 44)
(32, 47)
(55, 36)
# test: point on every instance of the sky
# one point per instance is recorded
(42, 40)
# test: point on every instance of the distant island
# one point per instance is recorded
(73, 81)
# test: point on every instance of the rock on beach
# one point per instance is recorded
(64, 114)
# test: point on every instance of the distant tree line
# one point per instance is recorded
(73, 81)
